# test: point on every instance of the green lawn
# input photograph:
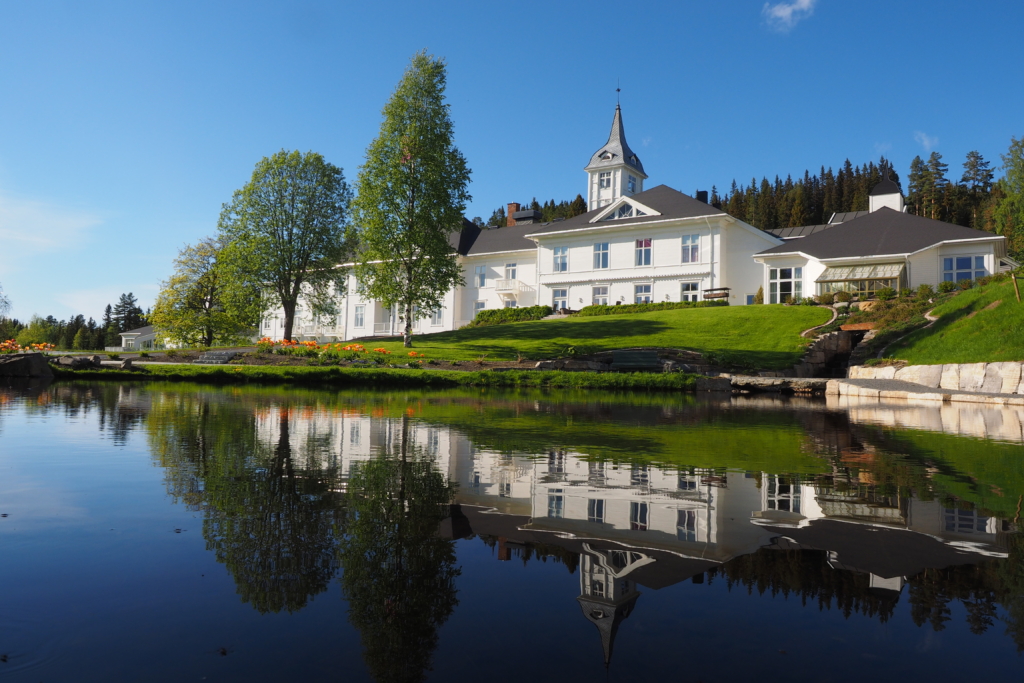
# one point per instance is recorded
(746, 336)
(968, 331)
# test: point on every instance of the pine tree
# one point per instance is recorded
(977, 179)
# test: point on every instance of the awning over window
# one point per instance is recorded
(880, 271)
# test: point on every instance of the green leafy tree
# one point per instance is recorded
(193, 306)
(412, 192)
(81, 340)
(285, 235)
(5, 303)
(1008, 216)
(398, 573)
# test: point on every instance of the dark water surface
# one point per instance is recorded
(179, 533)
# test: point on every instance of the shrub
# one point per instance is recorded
(759, 297)
(114, 356)
(590, 311)
(945, 287)
(925, 292)
(885, 294)
(500, 316)
(826, 298)
(964, 285)
(843, 297)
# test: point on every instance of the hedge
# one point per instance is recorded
(590, 311)
(500, 316)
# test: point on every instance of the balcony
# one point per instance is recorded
(512, 289)
(383, 329)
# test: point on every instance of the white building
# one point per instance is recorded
(861, 252)
(635, 245)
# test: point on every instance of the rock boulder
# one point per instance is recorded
(24, 365)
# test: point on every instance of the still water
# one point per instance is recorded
(180, 533)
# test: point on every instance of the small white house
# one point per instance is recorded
(862, 252)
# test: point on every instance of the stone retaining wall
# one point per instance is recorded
(818, 355)
(988, 378)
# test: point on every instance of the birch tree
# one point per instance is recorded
(411, 195)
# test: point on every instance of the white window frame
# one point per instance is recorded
(638, 294)
(481, 276)
(643, 252)
(689, 291)
(511, 303)
(559, 296)
(479, 306)
(560, 259)
(952, 270)
(691, 249)
(604, 180)
(360, 317)
(778, 277)
(631, 184)
(511, 269)
(599, 298)
(437, 317)
(600, 255)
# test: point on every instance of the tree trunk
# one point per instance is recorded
(407, 334)
(289, 318)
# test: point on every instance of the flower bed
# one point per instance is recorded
(11, 346)
(329, 352)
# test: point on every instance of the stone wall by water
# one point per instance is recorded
(994, 378)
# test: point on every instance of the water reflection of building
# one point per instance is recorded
(637, 526)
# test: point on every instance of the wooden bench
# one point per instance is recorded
(636, 360)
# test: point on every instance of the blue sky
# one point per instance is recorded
(125, 125)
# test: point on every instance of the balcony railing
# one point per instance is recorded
(382, 328)
(512, 287)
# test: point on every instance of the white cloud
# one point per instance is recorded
(30, 227)
(925, 140)
(646, 142)
(783, 16)
(882, 147)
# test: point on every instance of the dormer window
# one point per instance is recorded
(607, 156)
(605, 180)
(624, 211)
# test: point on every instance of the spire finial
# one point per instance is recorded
(617, 91)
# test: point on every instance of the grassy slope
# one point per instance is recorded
(995, 334)
(750, 336)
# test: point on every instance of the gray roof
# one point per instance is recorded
(617, 147)
(663, 199)
(800, 231)
(886, 186)
(879, 233)
(474, 240)
(141, 331)
(844, 216)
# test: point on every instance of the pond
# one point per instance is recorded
(172, 532)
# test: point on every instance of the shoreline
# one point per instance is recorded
(386, 377)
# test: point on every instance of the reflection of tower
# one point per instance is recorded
(607, 596)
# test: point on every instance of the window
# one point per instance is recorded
(958, 268)
(750, 299)
(687, 482)
(433, 441)
(510, 271)
(480, 276)
(624, 211)
(642, 294)
(690, 291)
(511, 303)
(631, 184)
(783, 495)
(964, 521)
(266, 324)
(354, 436)
(555, 503)
(643, 252)
(478, 306)
(597, 590)
(639, 475)
(686, 525)
(638, 516)
(360, 316)
(561, 263)
(561, 298)
(437, 317)
(604, 180)
(595, 511)
(129, 343)
(785, 284)
(691, 248)
(505, 489)
(600, 255)
(600, 296)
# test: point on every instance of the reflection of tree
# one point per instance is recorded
(270, 513)
(399, 574)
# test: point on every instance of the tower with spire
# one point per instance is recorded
(615, 170)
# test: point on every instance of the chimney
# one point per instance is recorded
(702, 196)
(509, 220)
